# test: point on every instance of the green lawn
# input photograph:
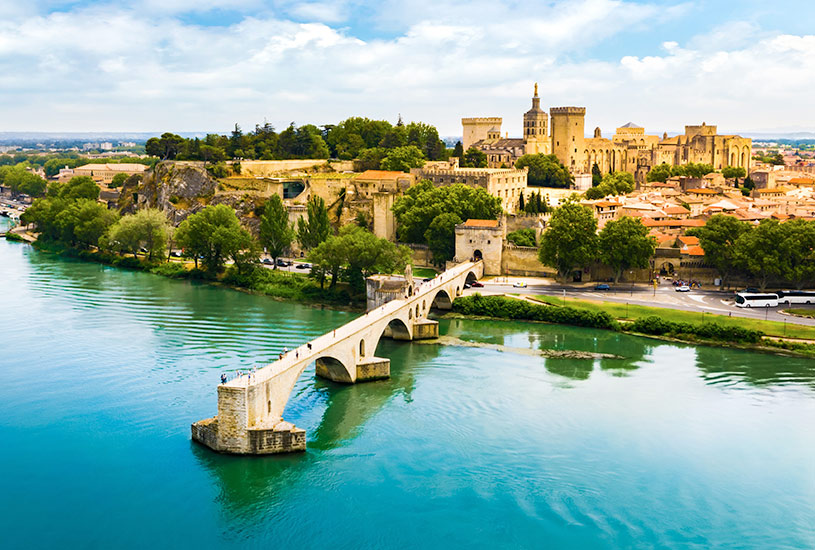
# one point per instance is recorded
(424, 272)
(632, 312)
(802, 312)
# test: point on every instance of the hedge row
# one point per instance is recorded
(509, 308)
(712, 331)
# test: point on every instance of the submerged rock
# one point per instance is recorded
(550, 353)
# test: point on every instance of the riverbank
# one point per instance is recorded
(708, 333)
(275, 284)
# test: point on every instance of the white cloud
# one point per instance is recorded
(108, 68)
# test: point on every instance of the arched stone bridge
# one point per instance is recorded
(250, 407)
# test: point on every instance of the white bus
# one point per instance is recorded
(797, 296)
(756, 300)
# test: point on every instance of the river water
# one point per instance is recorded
(104, 370)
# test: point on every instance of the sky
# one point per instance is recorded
(204, 65)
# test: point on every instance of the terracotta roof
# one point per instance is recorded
(607, 203)
(648, 222)
(381, 175)
(693, 251)
(688, 240)
(802, 181)
(676, 210)
(481, 223)
(702, 191)
(780, 216)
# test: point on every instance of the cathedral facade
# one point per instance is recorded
(562, 132)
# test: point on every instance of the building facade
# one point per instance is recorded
(630, 149)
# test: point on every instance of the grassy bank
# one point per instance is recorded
(277, 284)
(711, 331)
(632, 312)
(801, 312)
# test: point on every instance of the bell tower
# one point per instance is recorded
(536, 134)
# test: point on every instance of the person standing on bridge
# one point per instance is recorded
(223, 378)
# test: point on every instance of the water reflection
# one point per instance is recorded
(724, 367)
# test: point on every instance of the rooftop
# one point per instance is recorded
(480, 223)
(381, 175)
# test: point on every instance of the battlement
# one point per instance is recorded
(482, 120)
(567, 111)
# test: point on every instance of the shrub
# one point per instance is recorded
(170, 269)
(711, 331)
(509, 308)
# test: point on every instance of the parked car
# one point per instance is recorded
(303, 266)
(602, 286)
(175, 254)
(467, 285)
(476, 284)
(683, 288)
(281, 263)
(519, 284)
(267, 261)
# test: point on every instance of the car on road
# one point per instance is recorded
(602, 286)
(476, 284)
(303, 266)
(281, 263)
(467, 285)
(519, 284)
(683, 288)
(267, 261)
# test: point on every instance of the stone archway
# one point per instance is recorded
(442, 300)
(478, 256)
(333, 369)
(667, 269)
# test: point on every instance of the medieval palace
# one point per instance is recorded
(630, 149)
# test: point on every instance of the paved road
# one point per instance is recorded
(709, 301)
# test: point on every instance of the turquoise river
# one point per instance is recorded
(103, 370)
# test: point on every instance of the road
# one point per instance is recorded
(708, 301)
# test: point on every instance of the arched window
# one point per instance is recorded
(362, 348)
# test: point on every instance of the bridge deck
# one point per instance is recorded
(320, 344)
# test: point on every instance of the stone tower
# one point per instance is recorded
(476, 129)
(568, 138)
(536, 135)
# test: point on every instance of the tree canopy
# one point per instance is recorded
(316, 226)
(214, 234)
(356, 253)
(718, 239)
(276, 233)
(545, 171)
(402, 159)
(355, 137)
(148, 228)
(570, 242)
(416, 210)
(624, 243)
(613, 183)
(473, 158)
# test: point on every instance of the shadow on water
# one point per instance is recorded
(725, 366)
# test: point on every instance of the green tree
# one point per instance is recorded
(625, 243)
(758, 252)
(402, 159)
(78, 187)
(276, 233)
(371, 159)
(718, 239)
(473, 158)
(570, 242)
(731, 172)
(441, 237)
(356, 253)
(614, 183)
(422, 202)
(523, 237)
(545, 171)
(596, 175)
(214, 234)
(118, 180)
(458, 152)
(798, 246)
(660, 172)
(314, 229)
(146, 228)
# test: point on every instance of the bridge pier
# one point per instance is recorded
(425, 329)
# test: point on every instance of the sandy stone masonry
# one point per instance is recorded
(250, 409)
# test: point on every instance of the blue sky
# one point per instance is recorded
(202, 65)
